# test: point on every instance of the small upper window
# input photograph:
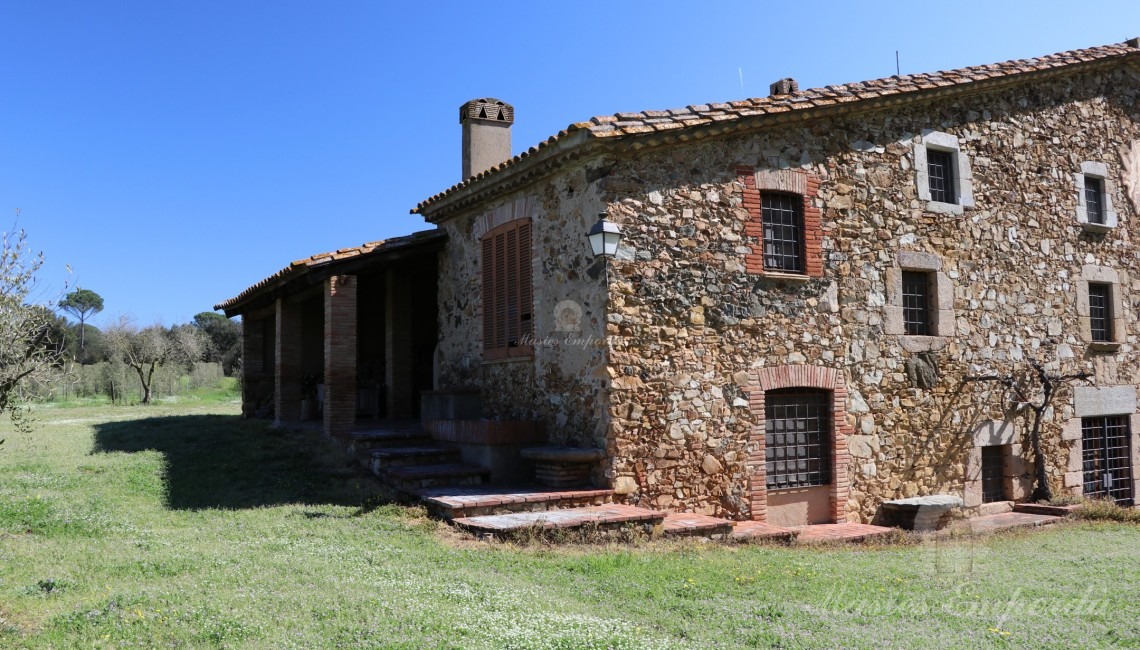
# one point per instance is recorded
(940, 167)
(1094, 199)
(942, 173)
(1100, 312)
(783, 219)
(916, 303)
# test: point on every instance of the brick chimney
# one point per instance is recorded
(486, 134)
(785, 86)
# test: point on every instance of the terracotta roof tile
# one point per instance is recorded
(303, 266)
(629, 123)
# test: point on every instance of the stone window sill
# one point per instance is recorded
(944, 208)
(790, 277)
(1104, 346)
(914, 344)
(1096, 227)
(509, 355)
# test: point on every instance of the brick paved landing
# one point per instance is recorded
(990, 523)
(817, 533)
(756, 531)
(692, 524)
(610, 515)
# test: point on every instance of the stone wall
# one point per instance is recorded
(565, 383)
(690, 324)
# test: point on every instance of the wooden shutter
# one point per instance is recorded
(488, 293)
(507, 290)
(526, 294)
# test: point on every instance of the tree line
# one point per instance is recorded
(208, 338)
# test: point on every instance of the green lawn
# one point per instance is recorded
(181, 525)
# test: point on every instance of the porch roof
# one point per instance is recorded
(318, 267)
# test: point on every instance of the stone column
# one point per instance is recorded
(398, 371)
(287, 380)
(340, 354)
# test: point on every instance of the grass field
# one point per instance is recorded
(181, 525)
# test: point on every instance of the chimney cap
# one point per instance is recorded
(1133, 42)
(785, 86)
(488, 109)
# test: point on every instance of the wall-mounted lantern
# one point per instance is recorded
(604, 237)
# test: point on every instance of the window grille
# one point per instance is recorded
(940, 172)
(916, 292)
(783, 218)
(797, 439)
(1100, 312)
(1106, 457)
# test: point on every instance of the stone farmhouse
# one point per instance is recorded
(803, 286)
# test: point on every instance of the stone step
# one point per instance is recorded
(402, 436)
(385, 457)
(416, 477)
(758, 531)
(1044, 509)
(455, 502)
(604, 517)
(1007, 520)
(688, 524)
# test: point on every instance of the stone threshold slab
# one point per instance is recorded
(606, 515)
(1007, 520)
(480, 497)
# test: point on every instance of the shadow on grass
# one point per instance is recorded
(219, 461)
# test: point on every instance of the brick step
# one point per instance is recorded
(688, 524)
(604, 517)
(455, 502)
(415, 477)
(1044, 509)
(824, 533)
(385, 457)
(758, 531)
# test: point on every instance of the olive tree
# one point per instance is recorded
(145, 349)
(27, 345)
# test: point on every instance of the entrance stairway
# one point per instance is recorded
(405, 457)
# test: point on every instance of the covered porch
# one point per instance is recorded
(345, 338)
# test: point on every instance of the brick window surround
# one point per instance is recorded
(508, 295)
(940, 310)
(809, 377)
(959, 175)
(1117, 332)
(783, 181)
(1095, 171)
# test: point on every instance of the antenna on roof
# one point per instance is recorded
(898, 73)
(741, 72)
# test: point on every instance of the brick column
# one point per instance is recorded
(340, 354)
(287, 389)
(398, 372)
(251, 357)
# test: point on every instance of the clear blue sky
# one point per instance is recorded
(173, 153)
